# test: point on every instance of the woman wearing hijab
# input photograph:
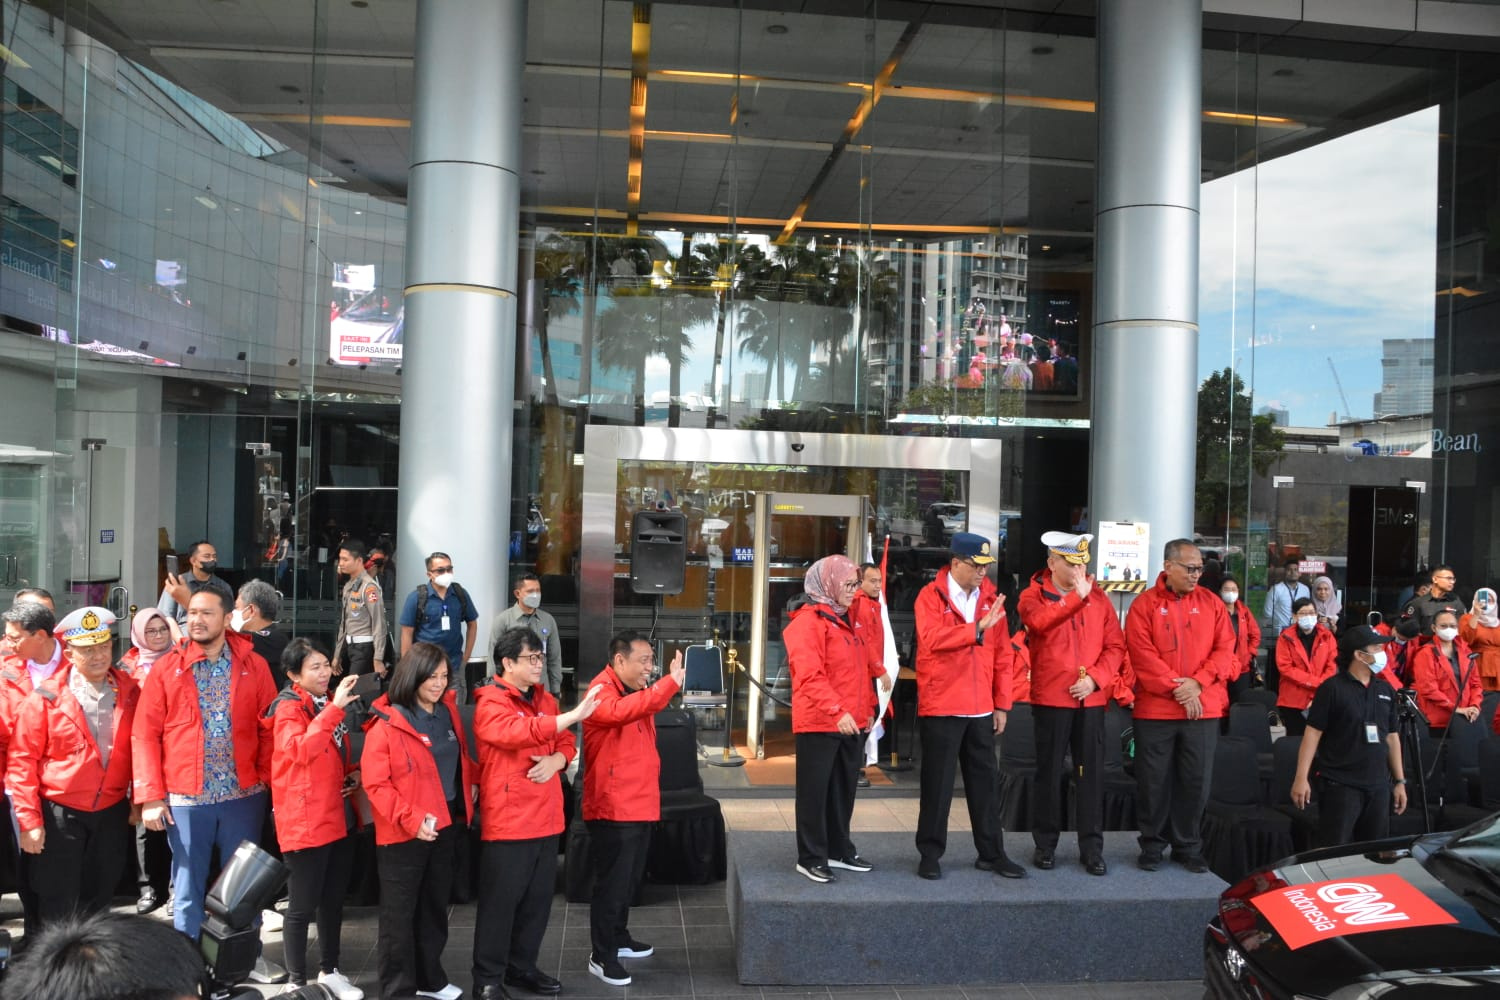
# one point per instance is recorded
(1326, 602)
(833, 703)
(1480, 628)
(151, 634)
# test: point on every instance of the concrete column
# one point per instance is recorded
(458, 369)
(1146, 271)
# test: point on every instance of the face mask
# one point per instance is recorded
(237, 620)
(1307, 622)
(1230, 596)
(208, 567)
(532, 601)
(1447, 634)
(443, 580)
(1378, 664)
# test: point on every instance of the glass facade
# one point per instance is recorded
(733, 219)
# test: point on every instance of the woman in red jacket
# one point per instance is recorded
(312, 773)
(1306, 655)
(420, 781)
(524, 744)
(1446, 679)
(1246, 636)
(833, 703)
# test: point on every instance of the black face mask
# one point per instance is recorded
(208, 567)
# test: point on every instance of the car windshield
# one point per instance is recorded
(1479, 845)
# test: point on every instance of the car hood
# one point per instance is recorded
(1414, 922)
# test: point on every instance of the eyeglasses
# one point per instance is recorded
(850, 585)
(158, 632)
(1442, 576)
(531, 658)
(1190, 570)
(440, 570)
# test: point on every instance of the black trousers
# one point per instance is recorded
(416, 879)
(1294, 720)
(827, 768)
(618, 851)
(359, 658)
(153, 859)
(1173, 761)
(952, 744)
(82, 859)
(1348, 814)
(1059, 730)
(22, 865)
(316, 887)
(516, 881)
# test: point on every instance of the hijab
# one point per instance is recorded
(1490, 618)
(821, 583)
(145, 656)
(1330, 608)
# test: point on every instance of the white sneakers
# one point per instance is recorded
(449, 992)
(338, 984)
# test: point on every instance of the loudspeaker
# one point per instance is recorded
(658, 552)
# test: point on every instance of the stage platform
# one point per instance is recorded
(890, 927)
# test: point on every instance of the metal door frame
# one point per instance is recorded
(605, 447)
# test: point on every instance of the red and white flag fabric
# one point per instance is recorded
(891, 660)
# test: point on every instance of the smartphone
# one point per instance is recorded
(172, 567)
(367, 688)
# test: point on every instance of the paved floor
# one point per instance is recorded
(689, 926)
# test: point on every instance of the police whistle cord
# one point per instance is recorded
(763, 689)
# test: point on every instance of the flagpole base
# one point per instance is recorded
(725, 757)
(895, 765)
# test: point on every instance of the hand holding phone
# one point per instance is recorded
(429, 828)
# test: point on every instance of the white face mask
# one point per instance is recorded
(1307, 622)
(1378, 664)
(1229, 596)
(237, 620)
(532, 601)
(1447, 634)
(444, 580)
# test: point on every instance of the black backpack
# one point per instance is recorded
(464, 604)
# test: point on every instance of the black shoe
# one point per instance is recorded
(1044, 859)
(817, 873)
(1194, 863)
(609, 970)
(494, 992)
(148, 901)
(861, 781)
(635, 949)
(534, 982)
(1002, 866)
(930, 870)
(1095, 866)
(853, 863)
(1148, 862)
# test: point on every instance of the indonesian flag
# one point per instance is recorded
(892, 662)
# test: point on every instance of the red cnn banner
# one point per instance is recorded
(1317, 911)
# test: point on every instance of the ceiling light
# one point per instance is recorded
(287, 88)
(358, 211)
(776, 29)
(206, 202)
(968, 128)
(361, 4)
(538, 171)
(1284, 71)
(347, 162)
(1046, 246)
(1041, 50)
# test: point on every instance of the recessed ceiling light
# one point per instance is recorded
(287, 88)
(1046, 246)
(347, 162)
(1284, 71)
(776, 29)
(361, 4)
(1041, 50)
(538, 171)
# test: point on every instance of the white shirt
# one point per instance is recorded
(965, 603)
(41, 671)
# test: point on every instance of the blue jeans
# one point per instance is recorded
(193, 832)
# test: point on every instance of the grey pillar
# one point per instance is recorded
(1146, 265)
(459, 361)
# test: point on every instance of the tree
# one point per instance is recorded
(1231, 443)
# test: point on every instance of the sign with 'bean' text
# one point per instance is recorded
(1319, 911)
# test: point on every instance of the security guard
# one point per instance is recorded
(362, 634)
(1076, 649)
(69, 771)
(1352, 738)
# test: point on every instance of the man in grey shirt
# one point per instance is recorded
(527, 613)
(203, 559)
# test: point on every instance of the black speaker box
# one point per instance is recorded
(658, 552)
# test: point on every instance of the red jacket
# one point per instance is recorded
(167, 739)
(956, 673)
(622, 772)
(831, 671)
(15, 686)
(1068, 633)
(1437, 688)
(53, 754)
(1246, 640)
(1486, 642)
(509, 730)
(869, 628)
(401, 777)
(1020, 667)
(1301, 674)
(307, 770)
(1172, 635)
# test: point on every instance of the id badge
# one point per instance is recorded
(445, 625)
(1372, 734)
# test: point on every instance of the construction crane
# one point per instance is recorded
(1340, 388)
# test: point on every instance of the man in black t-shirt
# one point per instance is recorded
(1352, 737)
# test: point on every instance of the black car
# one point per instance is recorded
(1398, 919)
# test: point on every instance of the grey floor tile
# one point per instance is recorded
(694, 914)
(1068, 991)
(1185, 989)
(1013, 992)
(659, 983)
(863, 992)
(664, 959)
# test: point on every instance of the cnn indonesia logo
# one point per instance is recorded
(1359, 904)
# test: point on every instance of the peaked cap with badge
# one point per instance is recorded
(88, 626)
(1068, 547)
(967, 545)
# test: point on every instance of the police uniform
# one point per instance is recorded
(362, 632)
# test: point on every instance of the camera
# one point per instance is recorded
(797, 446)
(229, 940)
(1407, 707)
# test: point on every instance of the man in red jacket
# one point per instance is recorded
(869, 627)
(1076, 648)
(1182, 650)
(963, 692)
(202, 759)
(69, 770)
(622, 794)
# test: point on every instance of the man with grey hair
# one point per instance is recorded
(255, 609)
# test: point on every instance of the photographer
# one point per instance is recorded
(108, 956)
(1351, 736)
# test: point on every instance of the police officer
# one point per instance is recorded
(362, 637)
(1352, 744)
(1076, 649)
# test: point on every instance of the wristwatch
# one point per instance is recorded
(1398, 781)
